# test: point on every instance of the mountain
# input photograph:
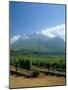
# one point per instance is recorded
(56, 44)
(37, 42)
(38, 36)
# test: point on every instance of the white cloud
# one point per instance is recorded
(17, 37)
(58, 30)
(14, 38)
(25, 37)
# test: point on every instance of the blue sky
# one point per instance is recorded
(26, 18)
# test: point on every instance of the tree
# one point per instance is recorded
(16, 63)
(48, 66)
(25, 63)
(28, 64)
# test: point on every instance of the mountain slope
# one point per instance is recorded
(40, 43)
(56, 45)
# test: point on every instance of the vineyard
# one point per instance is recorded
(35, 63)
(36, 68)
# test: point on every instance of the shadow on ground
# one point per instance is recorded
(17, 74)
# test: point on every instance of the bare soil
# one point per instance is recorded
(17, 81)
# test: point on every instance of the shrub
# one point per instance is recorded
(35, 73)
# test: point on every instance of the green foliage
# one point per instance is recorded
(27, 61)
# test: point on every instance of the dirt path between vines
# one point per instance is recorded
(42, 80)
